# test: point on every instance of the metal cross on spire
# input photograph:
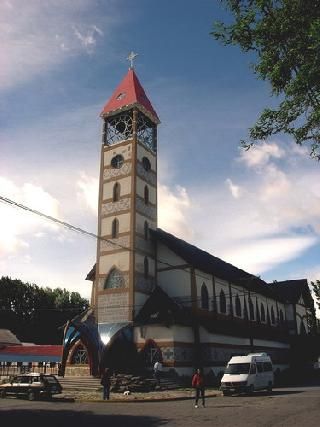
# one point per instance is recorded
(131, 58)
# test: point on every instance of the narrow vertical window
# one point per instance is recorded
(204, 297)
(238, 306)
(116, 192)
(146, 230)
(223, 302)
(115, 228)
(146, 267)
(251, 309)
(146, 195)
(273, 320)
(281, 316)
(263, 313)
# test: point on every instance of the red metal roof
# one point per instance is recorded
(33, 350)
(128, 93)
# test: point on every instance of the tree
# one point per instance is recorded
(285, 36)
(316, 289)
(37, 314)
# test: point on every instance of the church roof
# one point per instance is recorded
(129, 93)
(292, 290)
(208, 263)
(285, 291)
(8, 338)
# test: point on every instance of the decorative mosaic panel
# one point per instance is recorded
(144, 285)
(148, 176)
(114, 244)
(125, 283)
(113, 308)
(146, 210)
(113, 173)
(115, 207)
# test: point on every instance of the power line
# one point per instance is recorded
(95, 236)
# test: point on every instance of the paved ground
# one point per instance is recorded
(285, 407)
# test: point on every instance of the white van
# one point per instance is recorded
(248, 373)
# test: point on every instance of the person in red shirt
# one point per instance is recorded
(198, 384)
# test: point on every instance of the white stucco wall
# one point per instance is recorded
(124, 224)
(143, 152)
(125, 187)
(152, 191)
(125, 150)
(120, 260)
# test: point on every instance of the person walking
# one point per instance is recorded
(106, 383)
(198, 384)
(157, 369)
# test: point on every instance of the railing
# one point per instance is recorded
(7, 371)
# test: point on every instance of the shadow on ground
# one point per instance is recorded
(61, 418)
(267, 394)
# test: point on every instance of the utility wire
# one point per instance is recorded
(95, 236)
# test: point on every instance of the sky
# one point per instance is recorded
(60, 62)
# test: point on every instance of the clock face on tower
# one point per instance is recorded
(117, 161)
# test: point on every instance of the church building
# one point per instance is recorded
(155, 296)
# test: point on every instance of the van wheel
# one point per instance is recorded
(31, 395)
(3, 394)
(269, 388)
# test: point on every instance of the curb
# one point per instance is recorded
(139, 400)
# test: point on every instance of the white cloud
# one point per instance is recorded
(235, 190)
(88, 192)
(16, 225)
(172, 208)
(37, 36)
(87, 37)
(273, 216)
(261, 255)
(260, 154)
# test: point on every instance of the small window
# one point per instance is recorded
(146, 267)
(146, 195)
(117, 161)
(146, 230)
(267, 366)
(115, 228)
(238, 306)
(146, 163)
(223, 303)
(116, 192)
(259, 367)
(204, 297)
(262, 313)
(253, 368)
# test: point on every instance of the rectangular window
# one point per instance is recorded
(259, 367)
(267, 366)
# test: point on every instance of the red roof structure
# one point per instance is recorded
(127, 94)
(34, 350)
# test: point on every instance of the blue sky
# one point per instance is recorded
(60, 62)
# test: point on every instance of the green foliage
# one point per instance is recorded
(316, 289)
(37, 314)
(285, 36)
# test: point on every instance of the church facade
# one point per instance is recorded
(155, 296)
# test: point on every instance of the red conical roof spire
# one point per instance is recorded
(129, 93)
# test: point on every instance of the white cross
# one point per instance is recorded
(131, 58)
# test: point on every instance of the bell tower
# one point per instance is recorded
(125, 268)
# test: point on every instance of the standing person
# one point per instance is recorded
(198, 384)
(106, 383)
(157, 369)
